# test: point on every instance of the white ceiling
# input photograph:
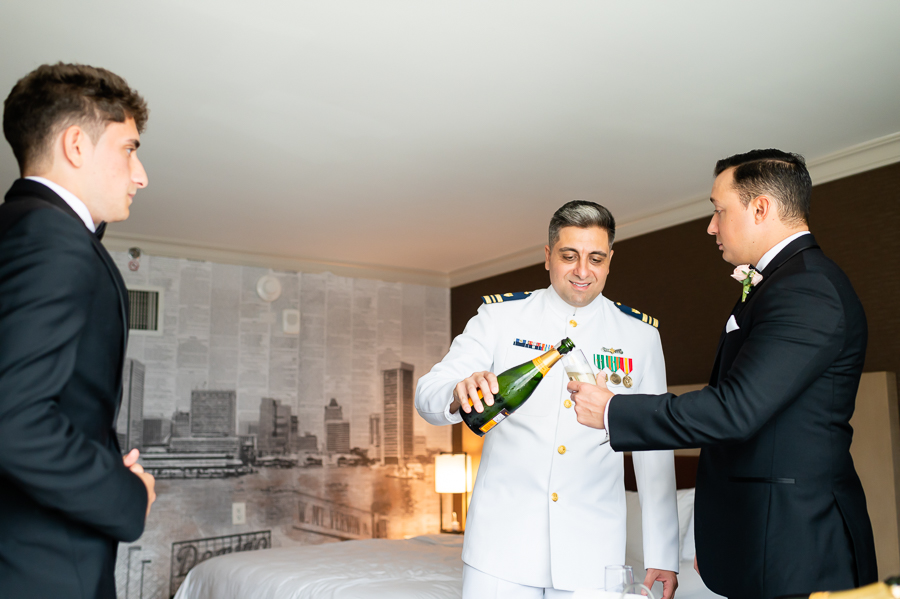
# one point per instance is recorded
(425, 138)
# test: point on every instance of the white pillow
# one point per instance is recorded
(688, 549)
(685, 499)
(634, 540)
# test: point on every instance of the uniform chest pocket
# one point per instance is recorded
(544, 399)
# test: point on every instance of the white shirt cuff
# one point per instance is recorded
(452, 418)
(606, 422)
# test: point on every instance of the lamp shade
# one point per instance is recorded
(450, 473)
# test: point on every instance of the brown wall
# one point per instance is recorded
(678, 275)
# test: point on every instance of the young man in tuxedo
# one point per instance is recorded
(779, 507)
(67, 496)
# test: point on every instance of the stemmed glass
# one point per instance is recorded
(578, 368)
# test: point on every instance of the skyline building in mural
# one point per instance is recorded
(399, 409)
(181, 424)
(157, 431)
(337, 430)
(213, 413)
(275, 427)
(375, 437)
(333, 411)
(308, 442)
(130, 422)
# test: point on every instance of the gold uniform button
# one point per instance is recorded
(562, 449)
(573, 323)
(554, 497)
(568, 403)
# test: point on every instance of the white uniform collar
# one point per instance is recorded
(561, 307)
(71, 199)
(767, 257)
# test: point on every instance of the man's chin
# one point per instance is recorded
(579, 300)
(122, 215)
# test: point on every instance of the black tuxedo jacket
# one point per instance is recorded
(66, 499)
(779, 508)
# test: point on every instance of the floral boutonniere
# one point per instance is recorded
(748, 277)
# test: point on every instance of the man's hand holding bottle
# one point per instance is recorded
(466, 391)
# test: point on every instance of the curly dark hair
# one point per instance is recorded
(52, 98)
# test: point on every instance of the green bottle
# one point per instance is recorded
(515, 386)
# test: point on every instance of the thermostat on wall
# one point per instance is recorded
(290, 322)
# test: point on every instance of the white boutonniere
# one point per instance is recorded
(748, 277)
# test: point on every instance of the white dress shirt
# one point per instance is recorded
(71, 199)
(767, 257)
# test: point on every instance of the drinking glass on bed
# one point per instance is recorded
(620, 580)
(578, 368)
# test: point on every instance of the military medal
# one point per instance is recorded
(602, 362)
(615, 363)
(627, 367)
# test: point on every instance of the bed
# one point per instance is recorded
(424, 567)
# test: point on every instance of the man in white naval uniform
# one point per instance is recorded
(548, 508)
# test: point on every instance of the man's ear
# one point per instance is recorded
(547, 257)
(763, 207)
(75, 146)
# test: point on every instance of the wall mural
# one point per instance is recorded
(263, 433)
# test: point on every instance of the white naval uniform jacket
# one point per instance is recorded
(515, 530)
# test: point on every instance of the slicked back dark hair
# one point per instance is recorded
(582, 214)
(52, 98)
(781, 175)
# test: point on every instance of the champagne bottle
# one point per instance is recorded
(515, 386)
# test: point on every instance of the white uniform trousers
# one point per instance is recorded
(479, 585)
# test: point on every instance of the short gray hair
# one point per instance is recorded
(582, 214)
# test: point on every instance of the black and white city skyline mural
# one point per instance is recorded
(264, 433)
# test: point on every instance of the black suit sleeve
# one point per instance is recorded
(797, 332)
(46, 288)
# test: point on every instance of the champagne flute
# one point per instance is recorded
(578, 368)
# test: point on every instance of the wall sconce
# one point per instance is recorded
(453, 476)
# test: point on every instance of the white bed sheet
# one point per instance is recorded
(426, 567)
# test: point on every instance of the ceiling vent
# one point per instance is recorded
(146, 310)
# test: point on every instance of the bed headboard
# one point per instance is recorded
(685, 472)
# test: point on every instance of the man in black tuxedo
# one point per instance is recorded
(779, 507)
(67, 496)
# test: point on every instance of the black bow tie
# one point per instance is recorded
(101, 229)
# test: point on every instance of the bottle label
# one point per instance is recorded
(543, 363)
(494, 421)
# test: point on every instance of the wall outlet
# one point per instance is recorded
(239, 513)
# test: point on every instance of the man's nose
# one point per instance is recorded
(138, 174)
(712, 229)
(581, 269)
